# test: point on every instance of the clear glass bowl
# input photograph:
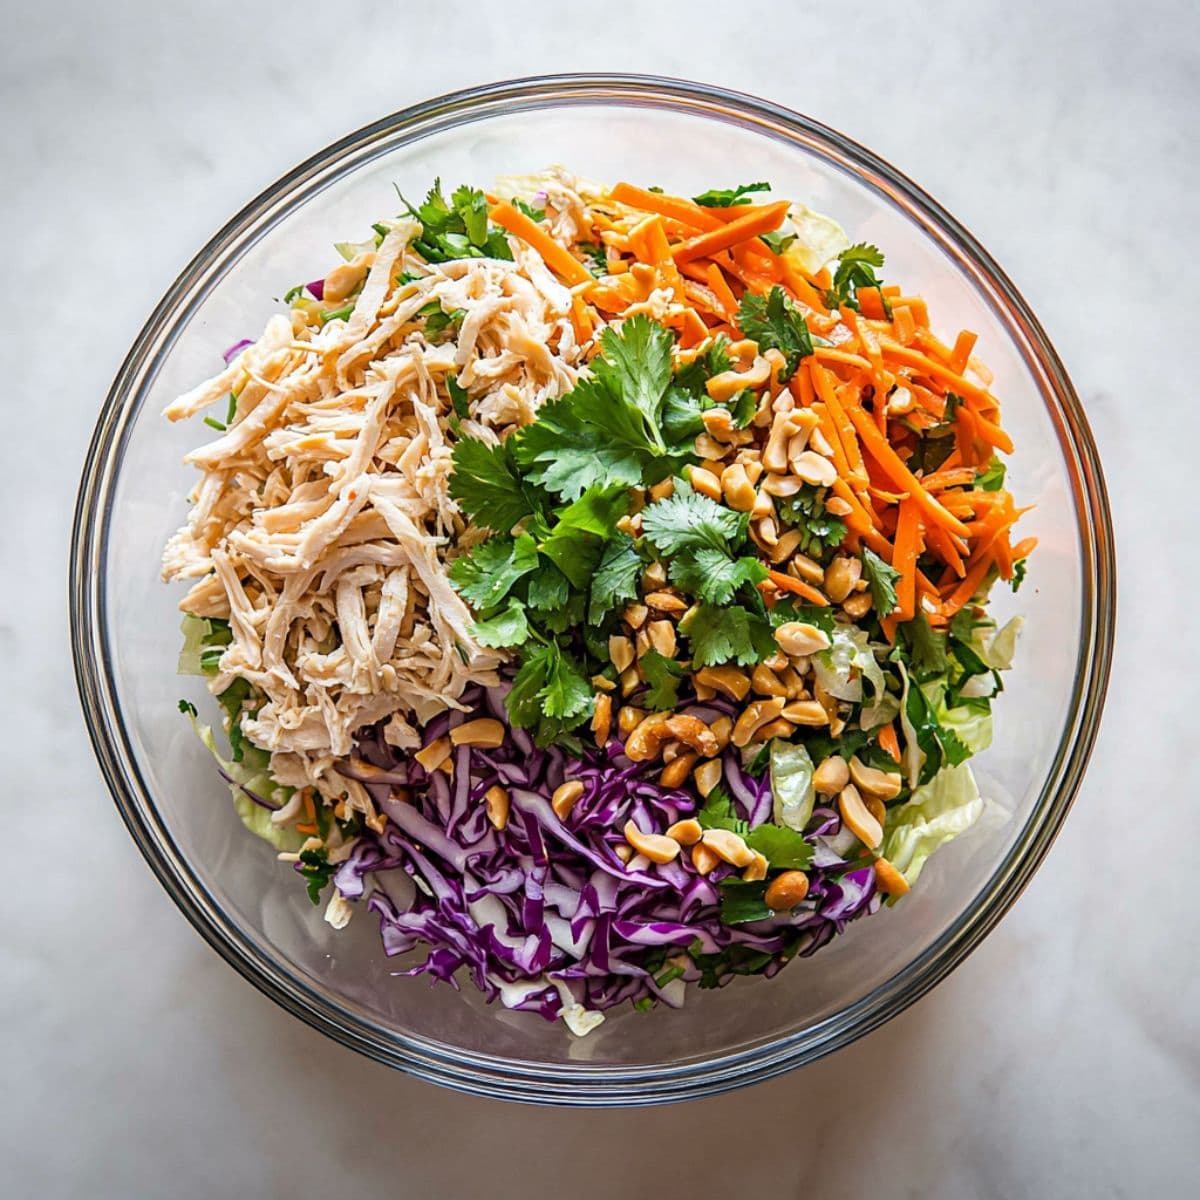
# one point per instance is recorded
(684, 137)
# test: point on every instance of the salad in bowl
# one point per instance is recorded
(592, 586)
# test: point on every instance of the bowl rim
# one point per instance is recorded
(578, 1084)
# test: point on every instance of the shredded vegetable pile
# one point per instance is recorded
(593, 583)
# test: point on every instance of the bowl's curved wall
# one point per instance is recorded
(684, 137)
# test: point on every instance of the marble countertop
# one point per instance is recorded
(1061, 1060)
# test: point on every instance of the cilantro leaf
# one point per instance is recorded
(784, 849)
(317, 871)
(663, 675)
(634, 367)
(608, 429)
(548, 589)
(597, 511)
(806, 512)
(566, 454)
(719, 813)
(575, 552)
(855, 269)
(1018, 575)
(992, 480)
(686, 520)
(713, 576)
(458, 397)
(728, 197)
(457, 228)
(595, 257)
(486, 574)
(926, 647)
(682, 416)
(743, 901)
(534, 214)
(778, 242)
(881, 579)
(719, 635)
(616, 577)
(550, 693)
(188, 708)
(508, 627)
(487, 486)
(775, 322)
(939, 744)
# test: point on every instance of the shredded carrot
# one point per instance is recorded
(715, 278)
(306, 827)
(968, 587)
(963, 345)
(686, 212)
(904, 558)
(889, 462)
(934, 369)
(888, 742)
(761, 220)
(789, 584)
(554, 255)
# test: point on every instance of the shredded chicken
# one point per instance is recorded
(322, 519)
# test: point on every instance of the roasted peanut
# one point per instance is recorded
(620, 651)
(663, 489)
(718, 423)
(728, 847)
(838, 506)
(654, 846)
(666, 602)
(565, 797)
(705, 482)
(727, 385)
(678, 769)
(602, 719)
(876, 808)
(786, 890)
(888, 879)
(654, 577)
(722, 729)
(786, 546)
(831, 776)
(807, 569)
(662, 637)
(775, 456)
(764, 682)
(814, 468)
(686, 832)
(635, 615)
(707, 776)
(755, 714)
(805, 712)
(624, 851)
(739, 491)
(341, 281)
(871, 782)
(704, 858)
(709, 449)
(647, 739)
(483, 731)
(432, 756)
(840, 577)
(495, 801)
(766, 532)
(763, 506)
(631, 523)
(857, 605)
(780, 727)
(858, 818)
(798, 639)
(782, 485)
(729, 681)
(757, 870)
(628, 719)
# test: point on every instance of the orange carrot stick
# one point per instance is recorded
(762, 220)
(887, 741)
(554, 255)
(904, 558)
(675, 207)
(790, 584)
(715, 278)
(890, 463)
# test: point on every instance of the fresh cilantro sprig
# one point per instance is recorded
(856, 269)
(728, 197)
(881, 580)
(609, 428)
(317, 870)
(456, 228)
(774, 322)
(805, 511)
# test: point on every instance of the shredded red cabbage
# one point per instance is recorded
(545, 906)
(235, 350)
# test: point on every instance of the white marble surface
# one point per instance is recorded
(1060, 1061)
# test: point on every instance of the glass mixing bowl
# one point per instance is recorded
(684, 137)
